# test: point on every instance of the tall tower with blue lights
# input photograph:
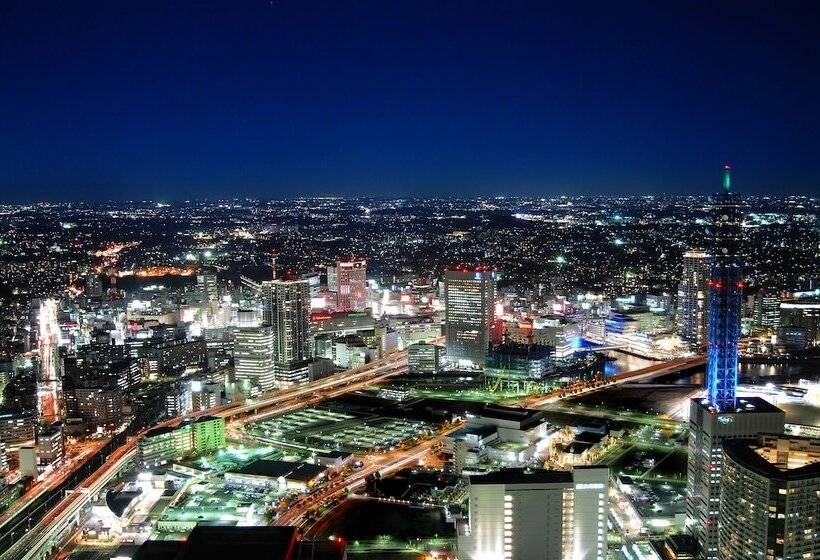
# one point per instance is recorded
(722, 414)
(725, 287)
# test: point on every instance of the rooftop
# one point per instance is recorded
(523, 476)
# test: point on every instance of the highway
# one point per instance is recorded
(60, 512)
(383, 464)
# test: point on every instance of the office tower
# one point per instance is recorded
(692, 310)
(208, 287)
(469, 300)
(253, 359)
(769, 504)
(178, 401)
(49, 387)
(767, 310)
(802, 313)
(351, 280)
(708, 429)
(423, 358)
(528, 514)
(287, 311)
(721, 415)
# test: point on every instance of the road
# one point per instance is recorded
(277, 402)
(383, 464)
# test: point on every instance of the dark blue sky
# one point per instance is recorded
(186, 99)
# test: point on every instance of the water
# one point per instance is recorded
(624, 362)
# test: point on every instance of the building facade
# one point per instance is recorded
(528, 514)
(351, 285)
(692, 290)
(469, 300)
(708, 429)
(254, 368)
(770, 499)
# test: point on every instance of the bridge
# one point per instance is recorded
(589, 386)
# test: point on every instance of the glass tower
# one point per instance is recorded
(725, 287)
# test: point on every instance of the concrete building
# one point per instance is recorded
(528, 514)
(178, 401)
(469, 300)
(253, 359)
(804, 313)
(708, 429)
(692, 290)
(50, 448)
(208, 434)
(424, 358)
(767, 311)
(287, 311)
(770, 499)
(351, 285)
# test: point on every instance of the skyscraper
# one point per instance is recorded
(721, 415)
(351, 285)
(253, 359)
(692, 290)
(287, 310)
(769, 506)
(530, 514)
(469, 301)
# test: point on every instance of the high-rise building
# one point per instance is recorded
(769, 505)
(803, 313)
(767, 310)
(253, 359)
(708, 429)
(528, 514)
(351, 281)
(692, 311)
(721, 415)
(49, 387)
(287, 310)
(469, 300)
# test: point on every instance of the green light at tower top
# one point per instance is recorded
(727, 177)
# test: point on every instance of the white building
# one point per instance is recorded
(525, 514)
(253, 359)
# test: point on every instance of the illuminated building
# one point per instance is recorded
(513, 365)
(178, 401)
(351, 285)
(17, 427)
(50, 448)
(161, 445)
(253, 359)
(528, 514)
(692, 311)
(208, 434)
(708, 429)
(770, 498)
(469, 300)
(423, 357)
(287, 311)
(767, 311)
(49, 405)
(803, 313)
(721, 415)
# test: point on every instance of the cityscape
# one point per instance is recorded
(373, 373)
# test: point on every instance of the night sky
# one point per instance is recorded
(166, 101)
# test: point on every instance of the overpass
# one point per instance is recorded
(591, 385)
(62, 520)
